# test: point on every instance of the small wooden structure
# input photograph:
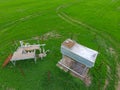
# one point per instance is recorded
(76, 58)
(27, 51)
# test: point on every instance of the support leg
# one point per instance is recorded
(13, 62)
(35, 59)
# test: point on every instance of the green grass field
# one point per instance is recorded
(93, 23)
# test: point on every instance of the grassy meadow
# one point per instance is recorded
(92, 23)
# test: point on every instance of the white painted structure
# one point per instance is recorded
(76, 58)
(80, 53)
(27, 51)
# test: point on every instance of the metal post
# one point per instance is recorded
(35, 58)
(84, 70)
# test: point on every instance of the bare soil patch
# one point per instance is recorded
(118, 85)
(106, 84)
(49, 35)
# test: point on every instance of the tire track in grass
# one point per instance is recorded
(11, 24)
(104, 35)
(78, 23)
(75, 22)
